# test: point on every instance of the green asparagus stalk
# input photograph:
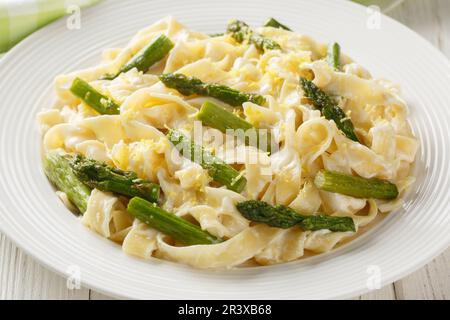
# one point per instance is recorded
(223, 120)
(147, 56)
(58, 170)
(106, 178)
(284, 217)
(101, 103)
(334, 55)
(191, 85)
(217, 169)
(241, 32)
(355, 186)
(271, 22)
(217, 117)
(329, 108)
(168, 223)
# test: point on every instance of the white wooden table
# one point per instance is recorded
(21, 277)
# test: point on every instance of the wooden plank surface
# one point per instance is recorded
(21, 277)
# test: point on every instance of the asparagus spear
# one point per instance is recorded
(221, 119)
(217, 169)
(355, 186)
(106, 178)
(334, 55)
(147, 56)
(329, 108)
(241, 32)
(168, 223)
(58, 170)
(101, 103)
(284, 217)
(271, 22)
(191, 85)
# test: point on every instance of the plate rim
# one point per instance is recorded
(44, 261)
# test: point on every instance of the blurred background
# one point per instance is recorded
(21, 277)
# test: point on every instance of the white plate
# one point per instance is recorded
(33, 217)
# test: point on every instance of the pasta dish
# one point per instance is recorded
(257, 146)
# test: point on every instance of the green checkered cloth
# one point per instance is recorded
(19, 18)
